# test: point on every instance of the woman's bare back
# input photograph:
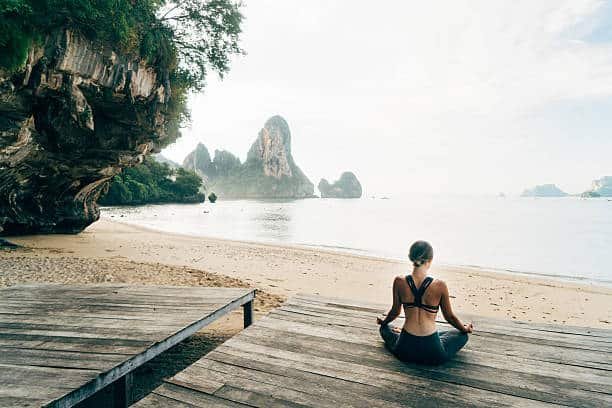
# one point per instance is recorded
(420, 321)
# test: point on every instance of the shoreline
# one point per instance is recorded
(353, 252)
(285, 270)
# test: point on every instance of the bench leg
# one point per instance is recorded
(248, 313)
(122, 391)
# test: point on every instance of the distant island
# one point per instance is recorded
(544, 190)
(153, 183)
(346, 187)
(268, 172)
(600, 188)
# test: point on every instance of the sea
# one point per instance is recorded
(565, 238)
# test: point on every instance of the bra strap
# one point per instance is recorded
(424, 286)
(418, 293)
(413, 289)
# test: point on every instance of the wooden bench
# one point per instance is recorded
(60, 344)
(321, 352)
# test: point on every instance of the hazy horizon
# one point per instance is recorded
(441, 98)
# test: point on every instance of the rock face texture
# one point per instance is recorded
(544, 190)
(69, 122)
(272, 149)
(346, 187)
(198, 160)
(268, 172)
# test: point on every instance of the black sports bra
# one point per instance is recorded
(418, 294)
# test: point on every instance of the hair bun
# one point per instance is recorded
(421, 252)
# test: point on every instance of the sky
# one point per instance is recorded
(422, 97)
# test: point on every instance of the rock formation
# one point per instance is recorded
(600, 188)
(198, 160)
(544, 190)
(346, 187)
(268, 172)
(69, 122)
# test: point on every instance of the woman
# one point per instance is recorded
(421, 295)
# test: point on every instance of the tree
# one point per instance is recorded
(204, 33)
(187, 183)
(152, 182)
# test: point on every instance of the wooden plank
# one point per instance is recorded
(120, 329)
(365, 336)
(61, 343)
(38, 383)
(121, 300)
(393, 386)
(488, 325)
(345, 392)
(526, 364)
(600, 379)
(178, 393)
(60, 359)
(155, 400)
(106, 288)
(540, 388)
(346, 306)
(18, 401)
(494, 342)
(157, 348)
(73, 343)
(561, 340)
(256, 399)
(287, 390)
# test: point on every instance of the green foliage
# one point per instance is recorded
(205, 34)
(183, 39)
(15, 34)
(187, 182)
(152, 182)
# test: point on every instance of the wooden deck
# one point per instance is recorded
(59, 344)
(318, 352)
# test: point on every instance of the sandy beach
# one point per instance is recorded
(110, 251)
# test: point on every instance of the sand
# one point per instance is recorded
(110, 251)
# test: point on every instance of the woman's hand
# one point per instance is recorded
(397, 330)
(468, 328)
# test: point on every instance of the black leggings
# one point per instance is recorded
(433, 349)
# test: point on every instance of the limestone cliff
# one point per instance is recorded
(69, 122)
(346, 187)
(268, 172)
(198, 160)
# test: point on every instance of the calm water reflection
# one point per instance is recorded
(567, 237)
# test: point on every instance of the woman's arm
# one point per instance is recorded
(449, 315)
(397, 305)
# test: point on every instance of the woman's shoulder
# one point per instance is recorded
(440, 283)
(399, 279)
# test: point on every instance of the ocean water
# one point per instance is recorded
(569, 238)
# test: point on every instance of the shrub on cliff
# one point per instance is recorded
(153, 182)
